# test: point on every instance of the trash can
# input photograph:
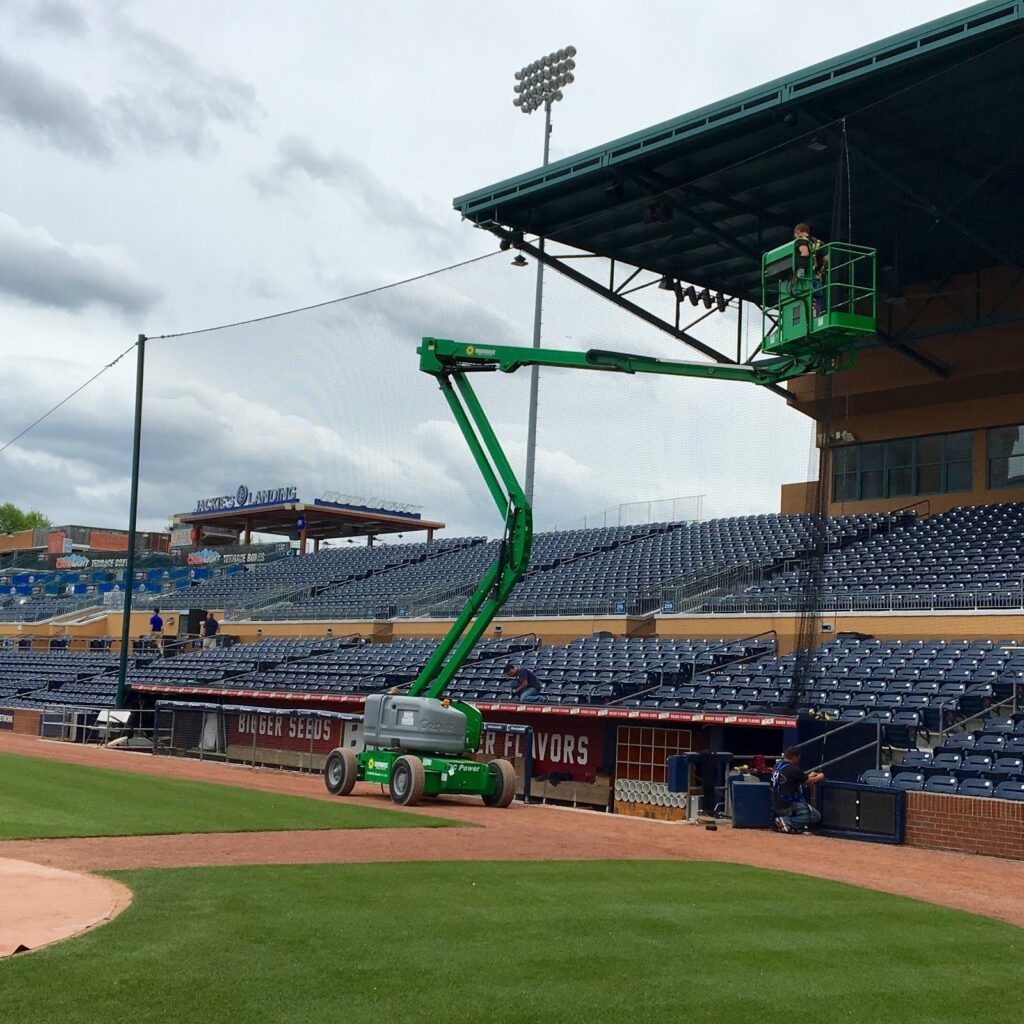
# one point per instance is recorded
(678, 771)
(751, 805)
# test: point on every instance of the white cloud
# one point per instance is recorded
(36, 268)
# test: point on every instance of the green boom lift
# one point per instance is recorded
(418, 743)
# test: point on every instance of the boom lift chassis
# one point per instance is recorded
(417, 743)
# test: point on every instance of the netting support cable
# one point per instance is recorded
(67, 398)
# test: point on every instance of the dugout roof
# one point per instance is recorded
(933, 137)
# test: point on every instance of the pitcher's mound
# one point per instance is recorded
(42, 905)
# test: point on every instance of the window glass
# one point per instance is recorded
(871, 456)
(872, 484)
(958, 476)
(1005, 441)
(929, 479)
(1006, 457)
(845, 487)
(845, 460)
(959, 447)
(900, 482)
(929, 450)
(899, 453)
(934, 464)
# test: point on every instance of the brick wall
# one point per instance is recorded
(983, 825)
(26, 721)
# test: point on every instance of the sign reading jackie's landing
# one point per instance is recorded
(244, 498)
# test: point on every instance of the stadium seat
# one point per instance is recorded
(914, 761)
(878, 778)
(976, 787)
(908, 780)
(1010, 791)
(942, 784)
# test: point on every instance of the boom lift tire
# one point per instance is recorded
(505, 790)
(340, 771)
(407, 781)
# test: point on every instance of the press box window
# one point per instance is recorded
(903, 468)
(1006, 457)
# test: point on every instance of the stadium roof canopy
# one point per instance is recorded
(323, 521)
(928, 124)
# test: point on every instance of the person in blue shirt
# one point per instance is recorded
(528, 685)
(156, 629)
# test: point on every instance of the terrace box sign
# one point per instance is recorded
(244, 498)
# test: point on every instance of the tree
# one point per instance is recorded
(13, 519)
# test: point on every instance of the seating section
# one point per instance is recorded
(37, 678)
(886, 681)
(607, 570)
(630, 577)
(967, 558)
(39, 607)
(290, 577)
(904, 684)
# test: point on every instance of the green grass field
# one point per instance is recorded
(46, 799)
(550, 942)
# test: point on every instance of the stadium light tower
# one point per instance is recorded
(540, 84)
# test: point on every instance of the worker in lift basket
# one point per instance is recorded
(527, 684)
(811, 260)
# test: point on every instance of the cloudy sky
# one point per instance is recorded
(169, 167)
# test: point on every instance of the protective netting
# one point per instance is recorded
(331, 399)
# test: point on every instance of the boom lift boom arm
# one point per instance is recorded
(450, 362)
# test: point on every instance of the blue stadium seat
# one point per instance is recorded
(908, 780)
(1010, 791)
(976, 787)
(942, 784)
(878, 778)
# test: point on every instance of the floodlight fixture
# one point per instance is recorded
(540, 83)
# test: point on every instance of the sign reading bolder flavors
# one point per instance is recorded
(244, 498)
